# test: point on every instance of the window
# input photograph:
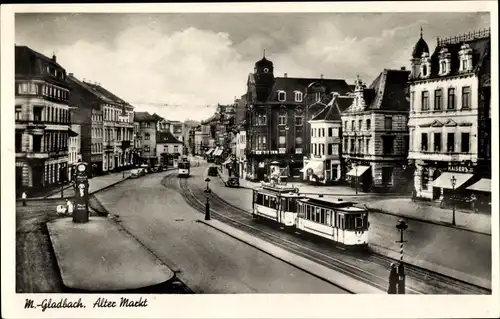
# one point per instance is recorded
(464, 65)
(465, 143)
(330, 131)
(298, 120)
(346, 141)
(450, 142)
(261, 142)
(146, 148)
(437, 142)
(424, 142)
(18, 112)
(352, 125)
(425, 101)
(368, 124)
(282, 119)
(360, 124)
(261, 119)
(345, 125)
(281, 96)
(412, 101)
(298, 96)
(387, 175)
(352, 146)
(318, 96)
(367, 146)
(438, 99)
(19, 139)
(323, 132)
(330, 149)
(387, 145)
(451, 99)
(388, 123)
(443, 67)
(466, 97)
(322, 149)
(282, 140)
(424, 70)
(360, 145)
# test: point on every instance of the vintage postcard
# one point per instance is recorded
(250, 160)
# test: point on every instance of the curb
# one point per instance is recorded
(341, 283)
(377, 210)
(457, 275)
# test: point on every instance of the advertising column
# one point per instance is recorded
(81, 184)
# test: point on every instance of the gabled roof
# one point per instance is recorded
(332, 111)
(157, 117)
(480, 55)
(388, 91)
(74, 82)
(166, 138)
(143, 117)
(27, 49)
(107, 93)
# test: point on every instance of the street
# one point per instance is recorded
(209, 261)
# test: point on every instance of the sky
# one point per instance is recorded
(181, 65)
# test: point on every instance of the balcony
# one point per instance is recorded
(35, 128)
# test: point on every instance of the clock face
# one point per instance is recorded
(81, 168)
(266, 70)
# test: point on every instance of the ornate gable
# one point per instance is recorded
(436, 123)
(450, 122)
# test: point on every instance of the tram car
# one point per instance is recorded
(334, 219)
(183, 168)
(277, 203)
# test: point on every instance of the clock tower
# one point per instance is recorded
(264, 78)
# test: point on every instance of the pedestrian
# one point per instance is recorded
(393, 280)
(69, 205)
(473, 200)
(413, 195)
(24, 196)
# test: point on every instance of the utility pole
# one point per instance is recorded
(401, 226)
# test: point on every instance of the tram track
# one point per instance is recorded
(366, 266)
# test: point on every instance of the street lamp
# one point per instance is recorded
(401, 226)
(453, 183)
(356, 177)
(207, 204)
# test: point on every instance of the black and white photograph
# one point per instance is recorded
(151, 153)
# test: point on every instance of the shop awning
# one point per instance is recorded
(316, 166)
(209, 151)
(358, 171)
(483, 185)
(72, 133)
(444, 180)
(218, 152)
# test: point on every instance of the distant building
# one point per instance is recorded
(168, 149)
(146, 134)
(241, 138)
(276, 120)
(42, 121)
(375, 133)
(324, 164)
(450, 116)
(74, 149)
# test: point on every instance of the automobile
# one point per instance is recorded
(145, 168)
(136, 172)
(233, 182)
(213, 171)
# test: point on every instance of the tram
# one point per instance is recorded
(183, 168)
(336, 220)
(277, 203)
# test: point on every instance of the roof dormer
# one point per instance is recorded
(444, 62)
(465, 58)
(425, 65)
(281, 95)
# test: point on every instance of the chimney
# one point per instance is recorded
(70, 74)
(321, 75)
(286, 75)
(54, 57)
(403, 68)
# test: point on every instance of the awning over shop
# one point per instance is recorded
(210, 151)
(72, 133)
(218, 152)
(483, 185)
(444, 180)
(315, 166)
(358, 171)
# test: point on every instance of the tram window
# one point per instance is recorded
(359, 221)
(283, 205)
(292, 204)
(266, 200)
(322, 216)
(328, 218)
(272, 202)
(308, 212)
(318, 215)
(341, 221)
(260, 199)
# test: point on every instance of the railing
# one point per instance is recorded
(464, 37)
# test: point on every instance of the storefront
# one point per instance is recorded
(482, 192)
(360, 177)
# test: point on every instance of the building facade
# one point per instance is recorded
(277, 109)
(74, 149)
(146, 134)
(450, 123)
(97, 143)
(375, 134)
(240, 153)
(42, 120)
(168, 149)
(324, 163)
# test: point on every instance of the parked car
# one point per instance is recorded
(233, 182)
(145, 168)
(213, 171)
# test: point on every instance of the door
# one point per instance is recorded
(436, 191)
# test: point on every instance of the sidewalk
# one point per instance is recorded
(403, 207)
(122, 263)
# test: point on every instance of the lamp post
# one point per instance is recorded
(401, 226)
(453, 183)
(356, 177)
(207, 204)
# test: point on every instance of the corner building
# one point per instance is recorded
(450, 122)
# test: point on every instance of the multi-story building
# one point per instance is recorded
(275, 120)
(241, 144)
(168, 149)
(42, 120)
(85, 106)
(375, 133)
(74, 148)
(118, 125)
(324, 164)
(450, 123)
(200, 147)
(163, 125)
(146, 133)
